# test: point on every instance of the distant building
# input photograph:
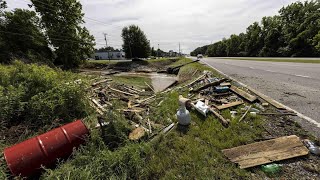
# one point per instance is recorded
(108, 55)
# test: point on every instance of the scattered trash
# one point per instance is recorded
(27, 157)
(259, 106)
(221, 89)
(254, 110)
(253, 114)
(202, 108)
(233, 114)
(265, 152)
(271, 169)
(265, 104)
(313, 148)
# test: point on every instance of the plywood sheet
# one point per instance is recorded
(266, 151)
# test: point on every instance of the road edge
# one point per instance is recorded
(310, 120)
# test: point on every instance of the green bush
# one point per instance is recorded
(36, 95)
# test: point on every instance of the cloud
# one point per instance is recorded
(193, 23)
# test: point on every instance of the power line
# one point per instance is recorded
(57, 39)
(46, 4)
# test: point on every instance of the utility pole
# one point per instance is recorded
(179, 50)
(105, 38)
(158, 51)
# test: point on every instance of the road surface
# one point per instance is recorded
(296, 85)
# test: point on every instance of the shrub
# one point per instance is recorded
(36, 95)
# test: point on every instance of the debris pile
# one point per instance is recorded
(135, 104)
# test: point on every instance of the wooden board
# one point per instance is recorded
(243, 94)
(224, 106)
(269, 100)
(266, 151)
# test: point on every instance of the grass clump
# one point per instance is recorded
(33, 98)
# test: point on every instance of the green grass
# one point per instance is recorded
(182, 154)
(277, 60)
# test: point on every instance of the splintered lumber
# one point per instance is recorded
(221, 94)
(196, 80)
(126, 93)
(143, 100)
(98, 105)
(244, 115)
(209, 85)
(137, 133)
(265, 152)
(102, 81)
(224, 106)
(224, 122)
(269, 100)
(243, 94)
(150, 87)
(278, 114)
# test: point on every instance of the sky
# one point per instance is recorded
(192, 23)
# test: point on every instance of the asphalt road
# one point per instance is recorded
(296, 85)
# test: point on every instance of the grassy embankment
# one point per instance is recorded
(186, 154)
(181, 154)
(300, 60)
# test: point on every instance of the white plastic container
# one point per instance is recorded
(183, 116)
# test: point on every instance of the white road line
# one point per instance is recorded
(244, 85)
(270, 71)
(252, 68)
(302, 76)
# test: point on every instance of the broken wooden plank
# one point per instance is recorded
(224, 122)
(278, 114)
(143, 100)
(102, 81)
(269, 100)
(126, 93)
(244, 115)
(225, 84)
(221, 94)
(98, 105)
(131, 90)
(243, 94)
(265, 152)
(224, 106)
(209, 85)
(150, 87)
(195, 81)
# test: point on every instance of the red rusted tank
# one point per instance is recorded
(27, 157)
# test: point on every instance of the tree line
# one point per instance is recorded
(295, 32)
(52, 34)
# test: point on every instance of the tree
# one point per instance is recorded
(106, 49)
(135, 42)
(233, 45)
(272, 36)
(21, 37)
(254, 41)
(63, 21)
(301, 24)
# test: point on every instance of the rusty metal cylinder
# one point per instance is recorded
(27, 157)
